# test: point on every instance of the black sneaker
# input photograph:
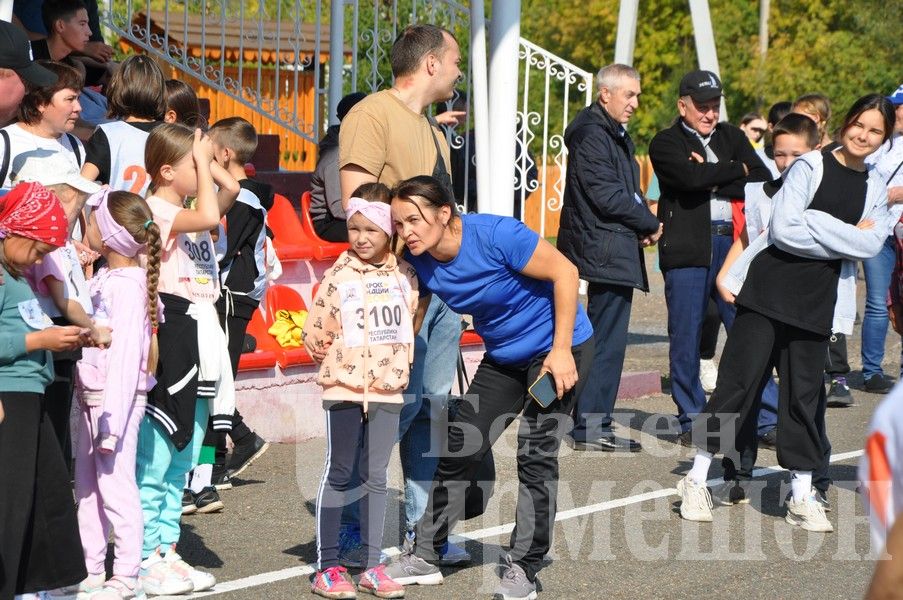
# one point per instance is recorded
(878, 384)
(188, 505)
(220, 479)
(769, 439)
(839, 395)
(207, 501)
(686, 439)
(245, 453)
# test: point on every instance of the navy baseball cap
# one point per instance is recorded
(897, 97)
(701, 86)
(15, 54)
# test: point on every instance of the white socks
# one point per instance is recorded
(200, 478)
(701, 463)
(800, 485)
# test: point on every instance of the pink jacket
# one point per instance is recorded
(119, 297)
(364, 315)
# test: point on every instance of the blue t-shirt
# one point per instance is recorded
(512, 312)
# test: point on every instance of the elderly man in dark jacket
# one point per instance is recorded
(604, 225)
(702, 165)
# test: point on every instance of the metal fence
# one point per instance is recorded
(271, 58)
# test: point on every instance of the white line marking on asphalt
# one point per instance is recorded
(478, 534)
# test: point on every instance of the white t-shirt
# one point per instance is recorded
(24, 144)
(881, 467)
(188, 266)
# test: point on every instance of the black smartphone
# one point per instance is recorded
(543, 390)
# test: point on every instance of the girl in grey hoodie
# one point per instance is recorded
(794, 286)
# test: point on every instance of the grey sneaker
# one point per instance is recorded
(839, 395)
(730, 493)
(408, 569)
(514, 584)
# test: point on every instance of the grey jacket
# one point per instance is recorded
(325, 186)
(816, 234)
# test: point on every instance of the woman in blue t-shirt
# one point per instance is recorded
(522, 295)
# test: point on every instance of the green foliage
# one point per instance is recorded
(841, 49)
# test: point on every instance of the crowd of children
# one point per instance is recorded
(101, 288)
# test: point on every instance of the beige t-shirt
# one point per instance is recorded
(389, 140)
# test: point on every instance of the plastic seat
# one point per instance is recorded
(323, 250)
(471, 338)
(267, 353)
(282, 297)
(289, 238)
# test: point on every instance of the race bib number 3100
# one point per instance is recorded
(383, 319)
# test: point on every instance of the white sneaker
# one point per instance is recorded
(695, 501)
(708, 374)
(78, 591)
(199, 579)
(119, 588)
(808, 514)
(158, 579)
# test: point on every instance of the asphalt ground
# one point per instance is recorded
(618, 533)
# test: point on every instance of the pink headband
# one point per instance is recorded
(112, 233)
(378, 212)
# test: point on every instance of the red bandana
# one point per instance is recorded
(30, 210)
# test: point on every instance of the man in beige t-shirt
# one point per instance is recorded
(386, 137)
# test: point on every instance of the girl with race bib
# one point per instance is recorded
(361, 329)
(136, 99)
(112, 387)
(193, 383)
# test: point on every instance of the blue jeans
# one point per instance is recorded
(426, 402)
(687, 293)
(878, 270)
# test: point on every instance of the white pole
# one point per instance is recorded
(503, 63)
(625, 43)
(6, 10)
(705, 41)
(336, 58)
(481, 151)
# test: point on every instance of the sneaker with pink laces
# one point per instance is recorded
(375, 581)
(333, 583)
(201, 580)
(119, 588)
(158, 579)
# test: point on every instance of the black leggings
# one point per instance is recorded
(350, 439)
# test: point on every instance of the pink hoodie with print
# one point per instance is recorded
(364, 314)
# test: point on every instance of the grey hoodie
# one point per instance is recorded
(816, 234)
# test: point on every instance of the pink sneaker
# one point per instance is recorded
(120, 588)
(375, 581)
(333, 583)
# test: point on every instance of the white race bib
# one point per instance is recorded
(33, 315)
(385, 317)
(197, 265)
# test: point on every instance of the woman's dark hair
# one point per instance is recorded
(181, 99)
(871, 102)
(429, 189)
(37, 97)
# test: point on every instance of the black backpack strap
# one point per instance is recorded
(4, 168)
(74, 143)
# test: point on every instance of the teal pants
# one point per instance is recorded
(161, 477)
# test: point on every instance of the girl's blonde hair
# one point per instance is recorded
(166, 145)
(133, 213)
(815, 104)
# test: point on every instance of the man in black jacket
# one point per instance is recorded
(604, 224)
(702, 165)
